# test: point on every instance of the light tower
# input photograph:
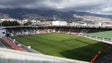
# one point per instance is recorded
(54, 17)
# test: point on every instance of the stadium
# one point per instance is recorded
(55, 44)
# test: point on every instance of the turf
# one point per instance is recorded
(106, 34)
(62, 45)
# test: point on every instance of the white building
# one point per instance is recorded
(44, 23)
(106, 24)
(59, 23)
(35, 22)
(10, 19)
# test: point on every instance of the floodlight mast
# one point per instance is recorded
(54, 17)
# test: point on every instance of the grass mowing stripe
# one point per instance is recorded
(63, 45)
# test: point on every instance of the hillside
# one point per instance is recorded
(43, 14)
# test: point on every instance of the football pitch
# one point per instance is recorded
(106, 34)
(62, 45)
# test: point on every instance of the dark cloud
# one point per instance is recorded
(68, 5)
(16, 2)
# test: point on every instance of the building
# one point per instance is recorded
(44, 23)
(59, 23)
(34, 22)
(10, 19)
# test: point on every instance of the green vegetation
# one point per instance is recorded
(28, 23)
(106, 34)
(10, 23)
(62, 45)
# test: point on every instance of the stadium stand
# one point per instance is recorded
(15, 31)
(100, 36)
(11, 44)
(25, 47)
(4, 45)
(105, 37)
(12, 56)
(107, 58)
(101, 51)
(1, 45)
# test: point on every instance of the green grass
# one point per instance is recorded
(106, 34)
(62, 45)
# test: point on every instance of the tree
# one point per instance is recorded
(10, 23)
(28, 23)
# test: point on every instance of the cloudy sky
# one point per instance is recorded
(93, 6)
